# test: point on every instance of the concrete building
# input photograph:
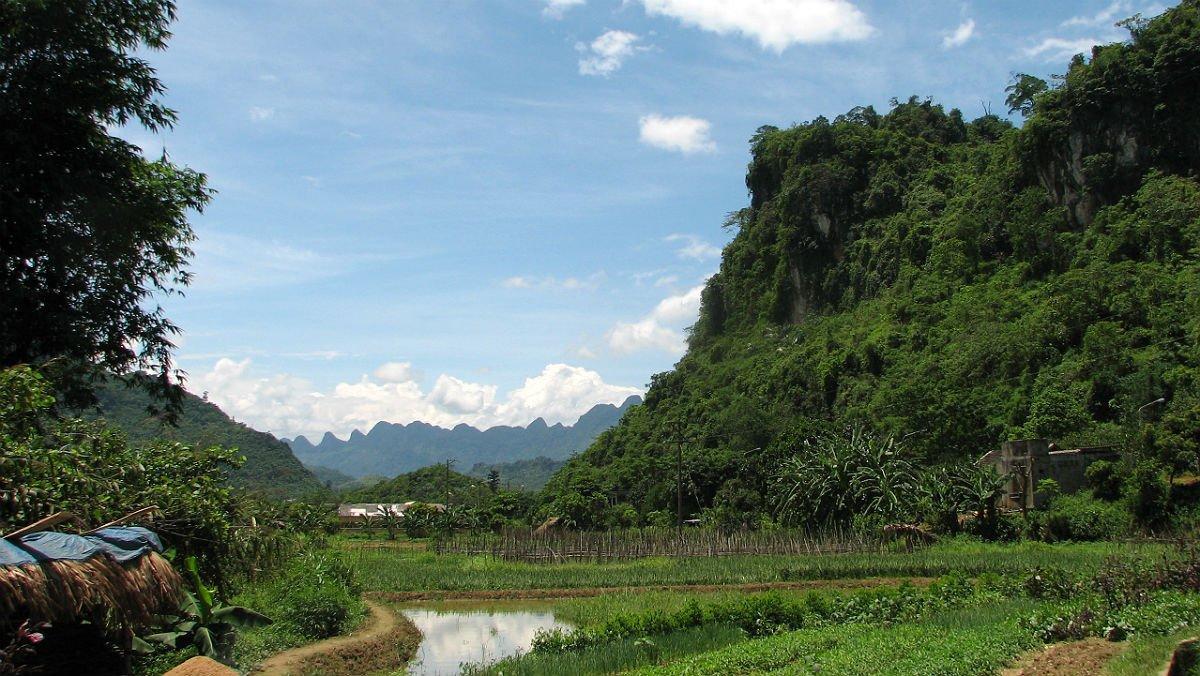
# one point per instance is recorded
(1030, 461)
(357, 512)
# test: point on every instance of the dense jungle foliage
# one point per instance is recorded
(947, 282)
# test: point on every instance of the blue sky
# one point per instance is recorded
(489, 211)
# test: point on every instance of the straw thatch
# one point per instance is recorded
(554, 523)
(99, 589)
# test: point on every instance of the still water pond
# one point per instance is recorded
(453, 638)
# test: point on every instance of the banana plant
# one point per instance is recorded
(204, 622)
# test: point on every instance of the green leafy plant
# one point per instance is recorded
(205, 623)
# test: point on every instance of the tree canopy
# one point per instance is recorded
(92, 233)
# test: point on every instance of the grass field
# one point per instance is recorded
(395, 569)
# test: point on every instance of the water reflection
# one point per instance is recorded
(454, 638)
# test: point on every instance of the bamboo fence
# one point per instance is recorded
(564, 546)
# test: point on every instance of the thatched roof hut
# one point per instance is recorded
(114, 577)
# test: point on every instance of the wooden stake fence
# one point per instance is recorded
(563, 546)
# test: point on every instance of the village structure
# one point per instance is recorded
(1031, 461)
(358, 512)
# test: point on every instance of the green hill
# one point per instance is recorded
(953, 282)
(270, 467)
(436, 483)
(528, 475)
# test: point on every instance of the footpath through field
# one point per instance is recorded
(384, 637)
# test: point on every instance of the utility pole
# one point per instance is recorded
(675, 434)
(679, 486)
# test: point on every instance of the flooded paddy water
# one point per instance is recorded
(459, 633)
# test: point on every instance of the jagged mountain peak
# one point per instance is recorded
(390, 448)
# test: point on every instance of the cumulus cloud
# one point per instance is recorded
(259, 114)
(774, 24)
(662, 329)
(395, 372)
(290, 406)
(459, 396)
(960, 36)
(1060, 49)
(682, 134)
(556, 8)
(694, 248)
(605, 55)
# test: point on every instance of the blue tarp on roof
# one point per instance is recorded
(124, 544)
(12, 555)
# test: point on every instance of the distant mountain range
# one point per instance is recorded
(390, 449)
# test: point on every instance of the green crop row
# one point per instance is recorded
(397, 570)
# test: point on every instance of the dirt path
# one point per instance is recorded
(579, 592)
(1077, 658)
(385, 640)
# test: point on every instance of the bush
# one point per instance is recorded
(317, 611)
(1148, 494)
(1105, 480)
(1080, 517)
(317, 596)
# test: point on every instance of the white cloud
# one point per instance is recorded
(556, 8)
(661, 329)
(774, 24)
(258, 114)
(459, 396)
(395, 372)
(694, 248)
(1104, 17)
(960, 36)
(555, 283)
(1059, 49)
(606, 53)
(290, 406)
(683, 134)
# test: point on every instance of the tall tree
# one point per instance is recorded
(92, 233)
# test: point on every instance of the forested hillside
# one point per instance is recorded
(527, 475)
(270, 466)
(953, 283)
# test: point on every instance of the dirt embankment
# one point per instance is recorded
(1076, 658)
(386, 641)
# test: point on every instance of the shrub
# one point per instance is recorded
(1105, 480)
(1080, 517)
(1148, 494)
(317, 611)
(317, 595)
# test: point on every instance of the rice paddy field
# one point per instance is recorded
(402, 568)
(959, 607)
